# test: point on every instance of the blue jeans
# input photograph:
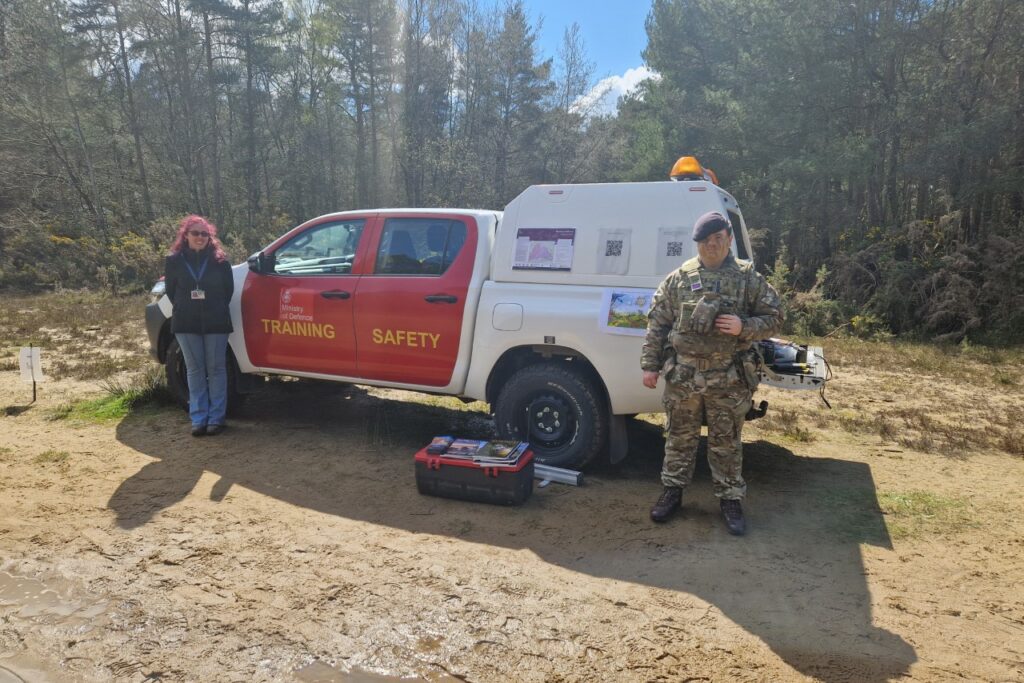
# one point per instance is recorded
(206, 362)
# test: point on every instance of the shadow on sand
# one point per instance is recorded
(797, 580)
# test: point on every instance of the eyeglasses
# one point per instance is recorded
(198, 233)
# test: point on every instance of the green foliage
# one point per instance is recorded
(912, 514)
(810, 313)
(879, 140)
(869, 326)
(884, 143)
(123, 396)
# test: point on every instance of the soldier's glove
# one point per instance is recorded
(703, 319)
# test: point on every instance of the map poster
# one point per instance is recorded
(624, 310)
(544, 249)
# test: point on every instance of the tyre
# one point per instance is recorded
(177, 378)
(557, 410)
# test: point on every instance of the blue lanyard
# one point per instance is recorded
(202, 268)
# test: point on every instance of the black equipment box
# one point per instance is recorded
(437, 475)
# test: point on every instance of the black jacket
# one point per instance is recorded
(199, 316)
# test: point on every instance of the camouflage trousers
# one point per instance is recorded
(725, 409)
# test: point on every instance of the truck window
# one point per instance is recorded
(419, 246)
(325, 249)
(737, 229)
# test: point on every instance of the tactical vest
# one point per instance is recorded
(714, 351)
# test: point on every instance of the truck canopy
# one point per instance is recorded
(645, 228)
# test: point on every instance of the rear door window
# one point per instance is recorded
(419, 246)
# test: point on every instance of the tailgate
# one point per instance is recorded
(788, 365)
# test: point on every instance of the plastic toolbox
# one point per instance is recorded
(468, 480)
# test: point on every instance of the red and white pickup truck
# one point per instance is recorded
(538, 310)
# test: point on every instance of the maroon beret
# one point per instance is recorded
(709, 224)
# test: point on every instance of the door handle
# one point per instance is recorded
(440, 298)
(336, 294)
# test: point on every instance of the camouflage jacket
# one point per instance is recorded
(736, 288)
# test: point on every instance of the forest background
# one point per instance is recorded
(876, 146)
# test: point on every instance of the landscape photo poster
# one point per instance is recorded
(624, 310)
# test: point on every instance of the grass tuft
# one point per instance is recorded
(787, 423)
(123, 396)
(1005, 378)
(913, 514)
(867, 516)
(852, 514)
(1012, 442)
(922, 443)
(51, 457)
(60, 412)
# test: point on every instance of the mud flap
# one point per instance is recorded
(758, 412)
(618, 442)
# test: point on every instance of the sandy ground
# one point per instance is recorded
(296, 548)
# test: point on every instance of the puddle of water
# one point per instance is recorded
(33, 600)
(321, 672)
(8, 676)
(37, 601)
(17, 670)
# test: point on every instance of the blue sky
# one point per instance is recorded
(613, 35)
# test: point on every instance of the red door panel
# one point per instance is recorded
(409, 310)
(300, 316)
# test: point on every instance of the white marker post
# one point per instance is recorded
(31, 366)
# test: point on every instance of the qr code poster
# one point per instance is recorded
(613, 250)
(624, 310)
(675, 245)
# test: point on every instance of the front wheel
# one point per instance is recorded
(177, 378)
(557, 410)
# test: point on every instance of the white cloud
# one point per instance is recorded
(605, 95)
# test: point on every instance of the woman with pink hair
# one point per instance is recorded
(200, 286)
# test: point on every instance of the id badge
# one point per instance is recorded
(198, 294)
(694, 278)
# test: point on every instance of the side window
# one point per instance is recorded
(419, 246)
(737, 235)
(326, 249)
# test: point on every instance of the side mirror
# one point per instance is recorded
(259, 263)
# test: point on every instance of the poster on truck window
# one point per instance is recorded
(624, 310)
(544, 249)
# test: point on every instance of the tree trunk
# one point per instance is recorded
(133, 115)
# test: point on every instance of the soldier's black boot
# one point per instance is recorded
(669, 501)
(732, 512)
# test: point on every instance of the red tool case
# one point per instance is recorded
(468, 480)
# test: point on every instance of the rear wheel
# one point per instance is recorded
(177, 378)
(556, 409)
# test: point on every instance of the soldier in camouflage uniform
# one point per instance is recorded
(700, 333)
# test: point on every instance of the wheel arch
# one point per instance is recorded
(164, 341)
(519, 357)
